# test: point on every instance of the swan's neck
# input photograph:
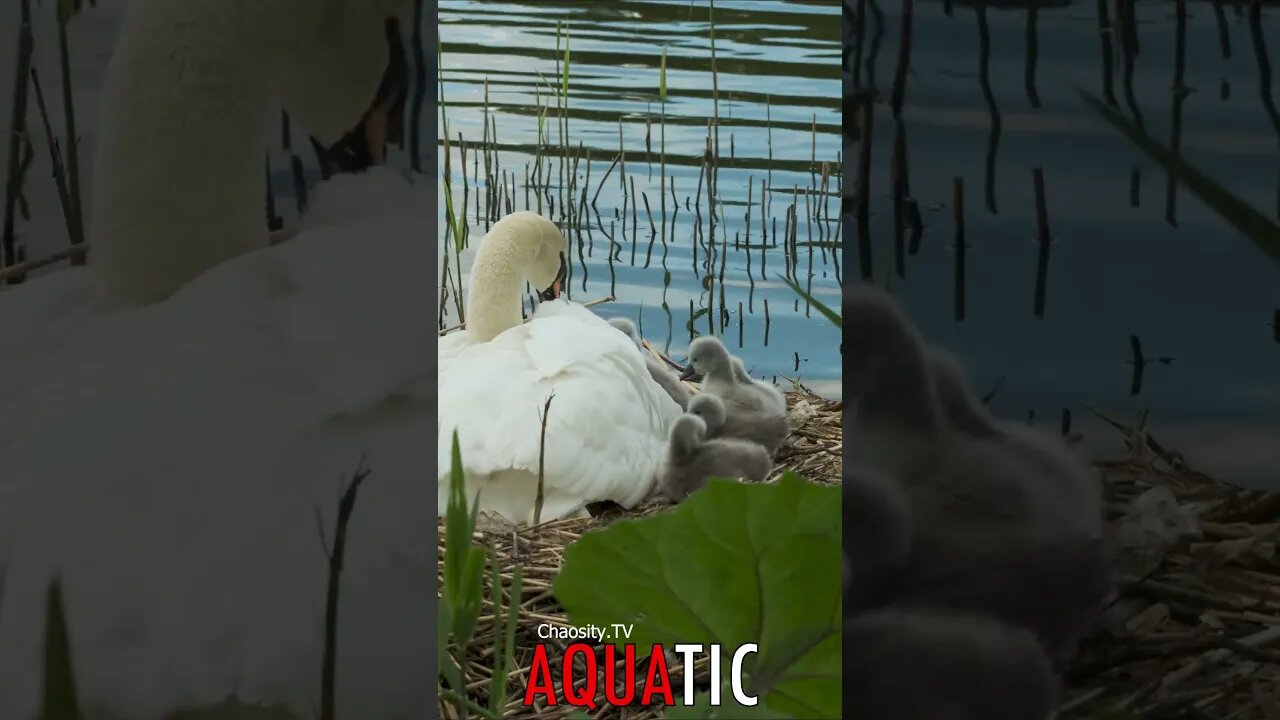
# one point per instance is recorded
(179, 177)
(497, 281)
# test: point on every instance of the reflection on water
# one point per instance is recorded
(1030, 237)
(689, 224)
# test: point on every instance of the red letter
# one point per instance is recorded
(587, 696)
(658, 671)
(540, 678)
(628, 677)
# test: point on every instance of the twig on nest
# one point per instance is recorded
(346, 505)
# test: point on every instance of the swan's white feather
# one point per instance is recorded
(606, 428)
(168, 461)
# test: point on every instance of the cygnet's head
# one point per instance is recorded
(347, 82)
(709, 408)
(686, 434)
(878, 339)
(707, 356)
(628, 328)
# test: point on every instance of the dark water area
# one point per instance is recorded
(987, 98)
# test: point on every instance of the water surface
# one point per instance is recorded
(776, 94)
(986, 100)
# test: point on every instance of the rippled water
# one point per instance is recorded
(776, 93)
(986, 101)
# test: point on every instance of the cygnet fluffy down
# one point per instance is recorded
(877, 537)
(768, 390)
(711, 361)
(666, 379)
(995, 530)
(692, 458)
(766, 429)
(914, 665)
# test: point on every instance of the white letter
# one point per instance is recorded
(735, 678)
(686, 651)
(544, 631)
(715, 676)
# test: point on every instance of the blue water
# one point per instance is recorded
(777, 80)
(1184, 282)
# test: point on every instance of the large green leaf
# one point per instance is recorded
(1260, 229)
(734, 564)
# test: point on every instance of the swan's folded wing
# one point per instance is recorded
(606, 427)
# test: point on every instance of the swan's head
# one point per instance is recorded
(628, 328)
(346, 84)
(707, 356)
(709, 408)
(540, 237)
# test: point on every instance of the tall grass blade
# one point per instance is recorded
(827, 312)
(1261, 230)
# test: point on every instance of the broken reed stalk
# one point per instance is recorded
(1105, 32)
(346, 505)
(542, 457)
(1033, 54)
(17, 139)
(1044, 240)
(864, 192)
(76, 221)
(55, 161)
(957, 205)
(904, 60)
(419, 88)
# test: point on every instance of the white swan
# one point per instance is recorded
(607, 425)
(162, 210)
(168, 461)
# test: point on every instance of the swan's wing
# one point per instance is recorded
(606, 428)
(357, 346)
(199, 460)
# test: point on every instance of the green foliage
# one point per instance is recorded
(734, 564)
(60, 701)
(461, 599)
(1261, 230)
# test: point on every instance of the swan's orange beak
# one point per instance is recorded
(365, 145)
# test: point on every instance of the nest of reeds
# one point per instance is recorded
(1194, 630)
(813, 451)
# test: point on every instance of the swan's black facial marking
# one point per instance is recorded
(553, 291)
(365, 145)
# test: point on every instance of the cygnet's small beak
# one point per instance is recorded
(689, 373)
(365, 145)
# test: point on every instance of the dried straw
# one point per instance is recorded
(1198, 636)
